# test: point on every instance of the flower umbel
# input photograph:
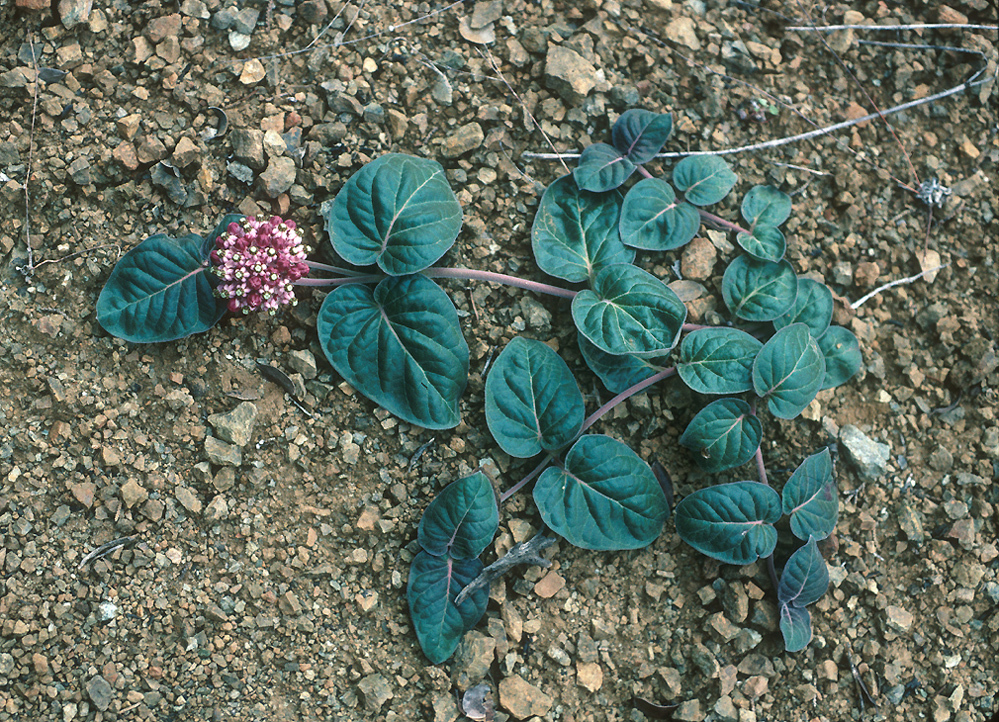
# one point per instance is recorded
(258, 262)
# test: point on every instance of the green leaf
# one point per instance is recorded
(575, 232)
(809, 497)
(813, 307)
(400, 345)
(462, 520)
(723, 435)
(788, 371)
(602, 167)
(804, 580)
(841, 351)
(617, 372)
(629, 311)
(718, 360)
(732, 523)
(397, 211)
(640, 134)
(765, 206)
(653, 219)
(757, 290)
(605, 498)
(532, 401)
(704, 179)
(161, 290)
(765, 243)
(434, 582)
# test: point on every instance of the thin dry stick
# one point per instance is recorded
(861, 301)
(28, 269)
(927, 26)
(105, 549)
(528, 552)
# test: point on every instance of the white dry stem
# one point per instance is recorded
(926, 26)
(861, 301)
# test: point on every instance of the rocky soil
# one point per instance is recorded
(265, 548)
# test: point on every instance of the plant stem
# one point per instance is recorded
(473, 275)
(336, 281)
(694, 327)
(626, 394)
(718, 222)
(317, 266)
(527, 479)
(761, 467)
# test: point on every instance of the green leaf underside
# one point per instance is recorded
(532, 401)
(757, 290)
(575, 232)
(765, 243)
(765, 206)
(400, 345)
(640, 134)
(841, 351)
(718, 360)
(601, 168)
(809, 498)
(704, 179)
(629, 311)
(605, 497)
(462, 520)
(398, 211)
(434, 582)
(788, 371)
(653, 219)
(732, 523)
(160, 290)
(813, 306)
(723, 435)
(803, 582)
(617, 372)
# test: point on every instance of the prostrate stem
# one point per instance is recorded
(473, 275)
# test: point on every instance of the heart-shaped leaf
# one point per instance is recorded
(629, 311)
(723, 435)
(575, 232)
(604, 498)
(757, 290)
(400, 345)
(397, 211)
(602, 167)
(532, 401)
(653, 219)
(732, 523)
(718, 360)
(788, 371)
(842, 354)
(640, 134)
(617, 372)
(809, 497)
(161, 290)
(813, 307)
(462, 520)
(434, 582)
(804, 580)
(765, 243)
(765, 206)
(704, 179)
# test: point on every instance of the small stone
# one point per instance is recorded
(472, 659)
(74, 12)
(253, 72)
(868, 457)
(99, 692)
(188, 499)
(689, 711)
(221, 453)
(129, 126)
(829, 670)
(705, 661)
(312, 11)
(125, 154)
(726, 710)
(195, 9)
(239, 41)
(589, 675)
(304, 362)
(33, 4)
(236, 426)
(274, 144)
(682, 31)
(734, 600)
(185, 153)
(246, 20)
(150, 150)
(549, 585)
(898, 618)
(720, 626)
(941, 459)
(132, 493)
(570, 74)
(522, 699)
(217, 509)
(698, 260)
(911, 522)
(79, 171)
(445, 708)
(279, 176)
(106, 611)
(40, 663)
(84, 493)
(376, 691)
(397, 123)
(755, 687)
(168, 26)
(465, 139)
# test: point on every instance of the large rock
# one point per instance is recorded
(570, 74)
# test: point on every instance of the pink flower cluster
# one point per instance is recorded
(258, 261)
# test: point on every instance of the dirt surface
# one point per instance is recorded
(272, 587)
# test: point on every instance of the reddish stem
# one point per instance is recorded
(473, 275)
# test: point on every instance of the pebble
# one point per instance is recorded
(279, 176)
(376, 691)
(253, 72)
(868, 457)
(221, 453)
(755, 687)
(734, 600)
(698, 260)
(465, 139)
(106, 611)
(522, 699)
(472, 659)
(246, 20)
(589, 676)
(304, 362)
(570, 74)
(236, 426)
(217, 509)
(911, 522)
(705, 661)
(898, 618)
(84, 493)
(165, 177)
(79, 171)
(726, 709)
(74, 12)
(185, 153)
(99, 692)
(188, 499)
(549, 585)
(132, 493)
(941, 459)
(689, 711)
(681, 30)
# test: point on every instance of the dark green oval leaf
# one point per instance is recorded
(765, 206)
(617, 372)
(400, 345)
(605, 498)
(532, 401)
(841, 351)
(653, 219)
(809, 497)
(629, 311)
(640, 134)
(434, 582)
(462, 520)
(160, 290)
(795, 627)
(723, 435)
(813, 307)
(804, 580)
(718, 360)
(602, 167)
(732, 523)
(757, 290)
(704, 179)
(765, 243)
(788, 371)
(397, 211)
(575, 232)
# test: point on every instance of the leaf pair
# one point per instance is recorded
(636, 138)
